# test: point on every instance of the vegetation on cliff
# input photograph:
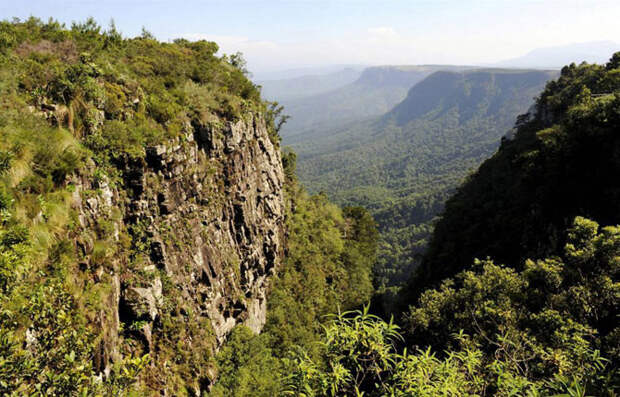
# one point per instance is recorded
(81, 103)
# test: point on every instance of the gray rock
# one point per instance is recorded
(210, 213)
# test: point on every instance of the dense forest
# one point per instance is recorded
(377, 90)
(517, 294)
(563, 161)
(404, 165)
(546, 324)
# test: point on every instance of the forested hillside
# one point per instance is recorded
(404, 164)
(563, 161)
(375, 92)
(549, 330)
(546, 325)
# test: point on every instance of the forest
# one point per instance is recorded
(516, 295)
(540, 322)
(405, 164)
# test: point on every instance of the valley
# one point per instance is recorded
(403, 164)
(411, 230)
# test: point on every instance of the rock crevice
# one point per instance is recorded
(204, 214)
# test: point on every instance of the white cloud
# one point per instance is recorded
(486, 33)
(384, 33)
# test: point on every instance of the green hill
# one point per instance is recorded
(375, 92)
(563, 161)
(404, 164)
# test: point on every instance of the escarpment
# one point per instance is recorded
(195, 230)
(141, 210)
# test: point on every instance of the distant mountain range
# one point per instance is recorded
(403, 164)
(307, 85)
(556, 57)
(375, 92)
(294, 73)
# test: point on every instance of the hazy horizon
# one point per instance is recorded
(286, 35)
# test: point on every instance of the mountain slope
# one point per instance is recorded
(142, 210)
(563, 161)
(147, 214)
(403, 165)
(376, 91)
(305, 86)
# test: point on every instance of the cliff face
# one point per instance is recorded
(201, 220)
(141, 210)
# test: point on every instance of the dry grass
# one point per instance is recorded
(66, 50)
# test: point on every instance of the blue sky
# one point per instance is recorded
(284, 34)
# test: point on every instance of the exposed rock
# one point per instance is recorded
(142, 303)
(206, 213)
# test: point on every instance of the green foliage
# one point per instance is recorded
(46, 344)
(549, 320)
(538, 332)
(277, 120)
(248, 367)
(359, 355)
(404, 165)
(562, 162)
(85, 78)
(328, 266)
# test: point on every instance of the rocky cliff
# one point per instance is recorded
(141, 210)
(200, 226)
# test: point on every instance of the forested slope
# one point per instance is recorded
(404, 164)
(375, 92)
(563, 161)
(546, 325)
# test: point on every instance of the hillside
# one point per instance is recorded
(404, 164)
(546, 326)
(563, 161)
(308, 85)
(375, 92)
(145, 217)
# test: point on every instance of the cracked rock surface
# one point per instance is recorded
(204, 214)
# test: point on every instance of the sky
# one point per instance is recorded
(279, 35)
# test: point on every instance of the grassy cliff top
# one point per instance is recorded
(95, 83)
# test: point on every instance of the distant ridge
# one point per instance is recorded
(403, 165)
(308, 85)
(558, 56)
(375, 92)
